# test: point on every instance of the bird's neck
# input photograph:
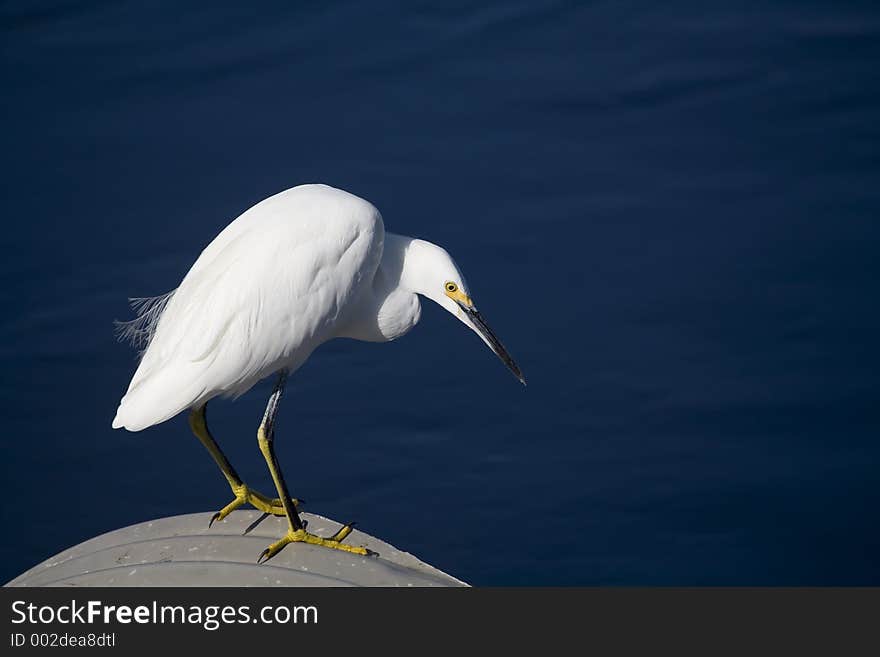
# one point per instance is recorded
(396, 286)
(391, 308)
(396, 270)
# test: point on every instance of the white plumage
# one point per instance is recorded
(299, 268)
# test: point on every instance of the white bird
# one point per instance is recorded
(300, 268)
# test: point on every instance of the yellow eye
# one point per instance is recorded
(451, 287)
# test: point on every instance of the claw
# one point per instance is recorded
(343, 532)
(245, 495)
(254, 524)
(302, 536)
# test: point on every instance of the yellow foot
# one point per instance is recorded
(245, 495)
(302, 536)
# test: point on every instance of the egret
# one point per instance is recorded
(302, 267)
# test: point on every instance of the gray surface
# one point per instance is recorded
(183, 551)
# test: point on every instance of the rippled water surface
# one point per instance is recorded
(669, 213)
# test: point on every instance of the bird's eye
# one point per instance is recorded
(451, 287)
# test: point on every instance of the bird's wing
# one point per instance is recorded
(262, 295)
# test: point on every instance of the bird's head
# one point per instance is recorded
(432, 273)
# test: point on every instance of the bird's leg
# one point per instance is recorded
(198, 422)
(296, 532)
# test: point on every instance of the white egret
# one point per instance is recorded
(300, 268)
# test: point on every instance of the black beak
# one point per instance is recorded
(492, 340)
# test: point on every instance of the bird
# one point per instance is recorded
(307, 265)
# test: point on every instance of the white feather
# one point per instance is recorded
(302, 267)
(260, 297)
(139, 331)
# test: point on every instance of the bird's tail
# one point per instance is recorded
(156, 397)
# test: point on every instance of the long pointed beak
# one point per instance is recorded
(482, 329)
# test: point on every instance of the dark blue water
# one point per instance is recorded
(669, 212)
